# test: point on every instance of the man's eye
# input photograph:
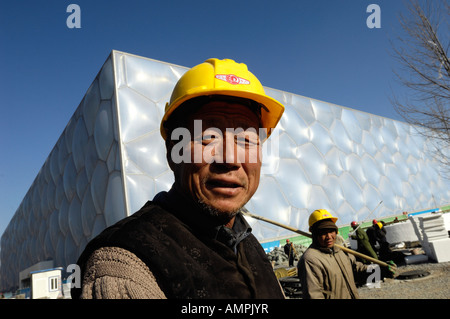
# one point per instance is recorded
(247, 141)
(209, 138)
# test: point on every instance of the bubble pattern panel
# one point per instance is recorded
(80, 181)
(111, 159)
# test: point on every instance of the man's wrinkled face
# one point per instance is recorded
(326, 237)
(221, 161)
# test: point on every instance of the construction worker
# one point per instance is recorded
(385, 253)
(289, 250)
(372, 235)
(325, 271)
(192, 241)
(364, 246)
(377, 236)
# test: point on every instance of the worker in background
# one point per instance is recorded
(377, 233)
(192, 241)
(385, 252)
(364, 246)
(377, 236)
(289, 250)
(325, 271)
(372, 233)
(380, 231)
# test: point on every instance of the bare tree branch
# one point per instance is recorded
(424, 69)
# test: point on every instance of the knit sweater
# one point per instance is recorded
(116, 273)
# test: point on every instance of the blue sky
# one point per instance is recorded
(316, 48)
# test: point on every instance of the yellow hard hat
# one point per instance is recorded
(223, 77)
(320, 214)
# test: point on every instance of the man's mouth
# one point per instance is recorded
(221, 184)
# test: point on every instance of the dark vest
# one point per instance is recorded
(188, 262)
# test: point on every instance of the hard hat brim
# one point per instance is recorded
(333, 219)
(269, 116)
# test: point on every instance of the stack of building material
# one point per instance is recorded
(401, 232)
(446, 217)
(433, 236)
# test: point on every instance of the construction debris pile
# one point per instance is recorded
(279, 259)
(429, 231)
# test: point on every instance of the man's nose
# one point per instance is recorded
(230, 150)
(227, 152)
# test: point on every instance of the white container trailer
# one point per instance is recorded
(46, 284)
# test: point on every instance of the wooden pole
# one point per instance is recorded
(347, 250)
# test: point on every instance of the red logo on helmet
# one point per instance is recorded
(232, 79)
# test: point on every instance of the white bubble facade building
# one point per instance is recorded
(111, 159)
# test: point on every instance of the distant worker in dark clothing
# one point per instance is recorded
(364, 246)
(380, 231)
(289, 250)
(377, 235)
(384, 253)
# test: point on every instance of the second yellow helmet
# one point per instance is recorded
(320, 214)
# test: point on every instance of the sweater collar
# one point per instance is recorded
(331, 250)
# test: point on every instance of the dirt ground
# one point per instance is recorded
(434, 286)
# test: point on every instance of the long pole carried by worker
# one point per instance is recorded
(368, 216)
(347, 250)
